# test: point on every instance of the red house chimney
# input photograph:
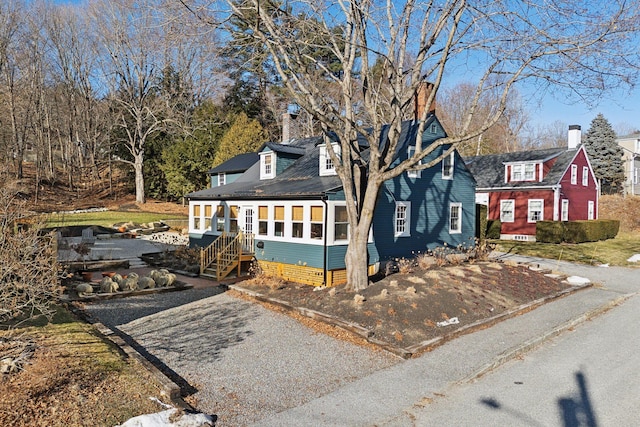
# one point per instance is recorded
(421, 97)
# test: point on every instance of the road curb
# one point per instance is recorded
(530, 344)
(420, 348)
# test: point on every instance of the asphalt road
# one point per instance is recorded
(587, 377)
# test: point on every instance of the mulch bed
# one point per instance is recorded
(407, 312)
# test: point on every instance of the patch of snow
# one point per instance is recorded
(603, 265)
(168, 419)
(634, 258)
(452, 321)
(577, 280)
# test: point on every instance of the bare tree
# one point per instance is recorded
(29, 282)
(555, 44)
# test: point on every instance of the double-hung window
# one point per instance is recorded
(267, 165)
(233, 219)
(536, 210)
(403, 219)
(278, 224)
(340, 223)
(448, 166)
(317, 221)
(297, 221)
(507, 208)
(585, 176)
(220, 220)
(455, 218)
(564, 213)
(327, 166)
(592, 209)
(412, 173)
(196, 217)
(207, 217)
(221, 178)
(574, 174)
(263, 220)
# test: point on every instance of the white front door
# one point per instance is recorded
(246, 218)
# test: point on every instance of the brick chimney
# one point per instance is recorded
(574, 138)
(421, 97)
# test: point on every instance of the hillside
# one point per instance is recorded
(57, 196)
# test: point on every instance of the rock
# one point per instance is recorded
(384, 293)
(84, 289)
(107, 285)
(411, 290)
(146, 283)
(359, 299)
(129, 284)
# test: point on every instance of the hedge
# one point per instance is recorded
(576, 231)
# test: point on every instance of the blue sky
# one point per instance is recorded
(619, 108)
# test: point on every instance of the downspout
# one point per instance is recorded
(324, 249)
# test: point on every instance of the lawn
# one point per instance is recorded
(108, 218)
(613, 251)
(74, 378)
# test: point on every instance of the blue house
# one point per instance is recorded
(229, 171)
(288, 211)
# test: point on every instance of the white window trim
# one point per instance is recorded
(412, 173)
(222, 179)
(564, 210)
(513, 210)
(585, 176)
(324, 156)
(452, 161)
(407, 219)
(459, 206)
(574, 174)
(263, 172)
(529, 210)
(522, 169)
(591, 210)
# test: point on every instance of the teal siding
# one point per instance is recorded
(335, 256)
(284, 161)
(201, 240)
(229, 178)
(430, 197)
(291, 253)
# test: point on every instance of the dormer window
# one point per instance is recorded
(523, 172)
(221, 178)
(267, 165)
(326, 166)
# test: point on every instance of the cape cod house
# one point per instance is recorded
(227, 172)
(527, 186)
(288, 212)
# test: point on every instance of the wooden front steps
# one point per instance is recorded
(226, 254)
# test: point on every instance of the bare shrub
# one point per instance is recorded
(29, 282)
(405, 265)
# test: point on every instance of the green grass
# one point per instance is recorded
(108, 218)
(613, 251)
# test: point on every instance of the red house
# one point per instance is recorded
(522, 188)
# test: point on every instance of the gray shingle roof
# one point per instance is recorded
(239, 163)
(300, 180)
(489, 170)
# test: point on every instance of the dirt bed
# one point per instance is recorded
(405, 310)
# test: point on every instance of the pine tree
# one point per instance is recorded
(244, 136)
(605, 155)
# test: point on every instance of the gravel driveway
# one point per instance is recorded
(242, 362)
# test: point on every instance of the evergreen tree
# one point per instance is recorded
(186, 161)
(605, 155)
(244, 136)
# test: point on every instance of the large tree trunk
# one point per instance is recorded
(137, 166)
(356, 261)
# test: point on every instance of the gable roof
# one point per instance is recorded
(489, 170)
(300, 180)
(239, 163)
